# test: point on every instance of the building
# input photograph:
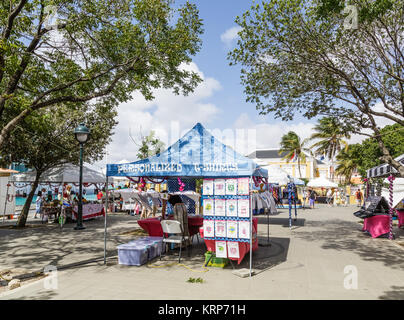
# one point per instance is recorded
(311, 168)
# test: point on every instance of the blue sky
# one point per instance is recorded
(218, 103)
(219, 16)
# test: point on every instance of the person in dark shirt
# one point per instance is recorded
(312, 198)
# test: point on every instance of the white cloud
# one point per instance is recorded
(168, 115)
(269, 135)
(230, 35)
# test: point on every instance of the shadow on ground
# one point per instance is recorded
(281, 221)
(343, 236)
(397, 293)
(35, 248)
(267, 256)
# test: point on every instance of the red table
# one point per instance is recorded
(377, 225)
(153, 226)
(243, 247)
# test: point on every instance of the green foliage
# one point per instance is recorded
(367, 11)
(45, 140)
(195, 280)
(306, 57)
(292, 145)
(331, 134)
(92, 51)
(348, 160)
(150, 146)
(368, 152)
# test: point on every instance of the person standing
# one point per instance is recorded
(38, 204)
(329, 197)
(304, 193)
(312, 198)
(358, 198)
(347, 198)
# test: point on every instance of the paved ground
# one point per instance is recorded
(306, 262)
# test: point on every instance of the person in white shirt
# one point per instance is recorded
(329, 197)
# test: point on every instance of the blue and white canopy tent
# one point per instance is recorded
(198, 154)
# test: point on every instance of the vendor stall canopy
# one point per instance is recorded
(322, 182)
(67, 173)
(384, 170)
(197, 154)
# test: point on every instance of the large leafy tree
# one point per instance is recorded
(315, 58)
(369, 153)
(295, 148)
(45, 140)
(79, 52)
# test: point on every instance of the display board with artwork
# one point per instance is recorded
(226, 210)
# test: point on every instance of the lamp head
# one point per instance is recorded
(82, 133)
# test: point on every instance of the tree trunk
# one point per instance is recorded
(298, 164)
(22, 218)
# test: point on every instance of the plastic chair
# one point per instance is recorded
(176, 233)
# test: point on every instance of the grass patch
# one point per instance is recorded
(195, 280)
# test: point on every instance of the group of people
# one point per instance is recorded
(335, 197)
(67, 199)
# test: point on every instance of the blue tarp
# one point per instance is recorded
(196, 154)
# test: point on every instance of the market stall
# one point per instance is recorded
(199, 155)
(394, 196)
(61, 176)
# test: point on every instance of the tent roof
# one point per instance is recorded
(197, 154)
(68, 173)
(277, 175)
(322, 182)
(384, 170)
(398, 191)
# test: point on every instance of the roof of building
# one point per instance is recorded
(267, 154)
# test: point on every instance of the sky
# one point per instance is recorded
(219, 102)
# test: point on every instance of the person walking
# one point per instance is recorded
(312, 198)
(359, 197)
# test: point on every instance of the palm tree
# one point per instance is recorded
(331, 135)
(294, 148)
(347, 162)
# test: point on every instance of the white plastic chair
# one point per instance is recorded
(176, 233)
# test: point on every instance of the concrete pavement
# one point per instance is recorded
(307, 262)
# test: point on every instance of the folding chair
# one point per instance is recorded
(176, 234)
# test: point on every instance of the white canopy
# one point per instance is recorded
(277, 175)
(67, 173)
(398, 191)
(322, 182)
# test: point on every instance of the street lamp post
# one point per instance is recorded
(82, 134)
